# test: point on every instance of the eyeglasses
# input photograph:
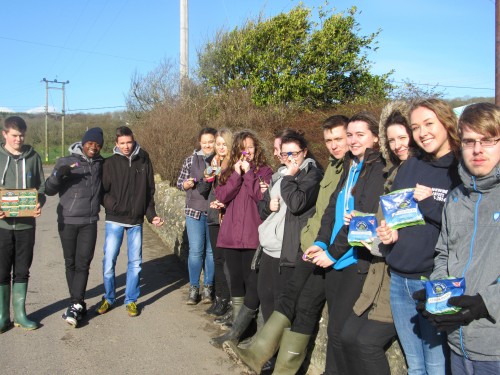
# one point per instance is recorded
(485, 142)
(290, 153)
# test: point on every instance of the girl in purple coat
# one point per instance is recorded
(239, 190)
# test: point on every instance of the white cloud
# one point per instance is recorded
(6, 110)
(41, 109)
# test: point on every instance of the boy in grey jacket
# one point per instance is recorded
(469, 246)
(20, 168)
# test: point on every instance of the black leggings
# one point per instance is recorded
(221, 286)
(271, 283)
(342, 291)
(238, 263)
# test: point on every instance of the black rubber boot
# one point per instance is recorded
(19, 291)
(293, 350)
(4, 307)
(264, 344)
(215, 304)
(241, 323)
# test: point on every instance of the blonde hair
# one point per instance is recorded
(481, 118)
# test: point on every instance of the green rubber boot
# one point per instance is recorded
(19, 291)
(4, 307)
(237, 303)
(293, 349)
(263, 346)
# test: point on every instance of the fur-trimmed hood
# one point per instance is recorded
(403, 107)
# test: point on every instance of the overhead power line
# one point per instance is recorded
(77, 49)
(448, 86)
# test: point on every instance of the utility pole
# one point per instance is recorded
(184, 43)
(497, 52)
(47, 88)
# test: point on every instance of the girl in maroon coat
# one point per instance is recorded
(239, 190)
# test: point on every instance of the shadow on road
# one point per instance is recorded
(159, 277)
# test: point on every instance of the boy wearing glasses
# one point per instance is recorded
(469, 243)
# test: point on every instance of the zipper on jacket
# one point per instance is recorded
(471, 252)
(73, 203)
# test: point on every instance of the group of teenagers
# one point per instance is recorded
(279, 241)
(123, 184)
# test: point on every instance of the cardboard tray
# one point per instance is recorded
(19, 202)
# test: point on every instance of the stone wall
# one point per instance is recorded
(170, 206)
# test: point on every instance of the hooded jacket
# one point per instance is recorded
(80, 193)
(25, 172)
(468, 246)
(129, 187)
(240, 194)
(412, 256)
(299, 193)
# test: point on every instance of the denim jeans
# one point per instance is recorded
(425, 349)
(78, 243)
(463, 366)
(200, 251)
(112, 243)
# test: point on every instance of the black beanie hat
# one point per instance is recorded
(94, 135)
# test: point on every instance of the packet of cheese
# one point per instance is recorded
(400, 209)
(438, 292)
(362, 227)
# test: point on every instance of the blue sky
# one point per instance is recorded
(97, 45)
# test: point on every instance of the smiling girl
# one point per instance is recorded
(432, 174)
(359, 189)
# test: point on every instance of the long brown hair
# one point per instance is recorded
(259, 159)
(446, 116)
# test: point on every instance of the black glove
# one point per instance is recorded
(420, 296)
(63, 172)
(473, 308)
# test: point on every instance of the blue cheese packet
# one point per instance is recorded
(438, 292)
(362, 228)
(400, 209)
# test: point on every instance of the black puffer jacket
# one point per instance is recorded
(79, 193)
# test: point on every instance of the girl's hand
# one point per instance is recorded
(245, 166)
(422, 192)
(322, 260)
(237, 167)
(291, 166)
(347, 218)
(274, 204)
(263, 186)
(386, 234)
(188, 184)
(312, 251)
